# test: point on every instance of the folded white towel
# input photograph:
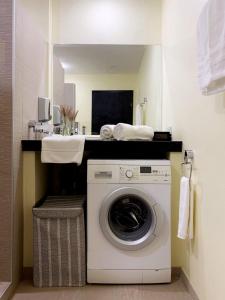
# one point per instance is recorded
(139, 114)
(211, 47)
(106, 131)
(185, 225)
(125, 132)
(62, 149)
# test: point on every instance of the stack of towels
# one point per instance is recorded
(126, 132)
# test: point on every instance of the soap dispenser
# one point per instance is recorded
(43, 109)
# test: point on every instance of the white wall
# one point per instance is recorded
(200, 122)
(31, 65)
(106, 22)
(86, 83)
(58, 81)
(150, 86)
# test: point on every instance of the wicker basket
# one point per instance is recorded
(59, 242)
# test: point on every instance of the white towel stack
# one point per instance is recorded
(62, 149)
(106, 131)
(211, 47)
(125, 132)
(185, 225)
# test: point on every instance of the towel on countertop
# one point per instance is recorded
(211, 47)
(185, 224)
(139, 114)
(125, 132)
(106, 131)
(62, 149)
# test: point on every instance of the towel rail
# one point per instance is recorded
(145, 100)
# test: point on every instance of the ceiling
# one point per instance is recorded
(100, 59)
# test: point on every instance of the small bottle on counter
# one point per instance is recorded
(76, 127)
(83, 130)
(39, 134)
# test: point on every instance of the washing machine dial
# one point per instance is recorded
(129, 173)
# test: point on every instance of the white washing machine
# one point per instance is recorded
(128, 221)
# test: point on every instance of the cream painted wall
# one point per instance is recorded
(150, 86)
(106, 22)
(199, 121)
(33, 190)
(30, 81)
(86, 83)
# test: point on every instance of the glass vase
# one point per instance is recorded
(66, 127)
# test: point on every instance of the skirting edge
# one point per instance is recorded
(188, 285)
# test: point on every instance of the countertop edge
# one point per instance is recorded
(137, 145)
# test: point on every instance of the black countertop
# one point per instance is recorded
(119, 149)
(71, 179)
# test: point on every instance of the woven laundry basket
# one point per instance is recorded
(59, 242)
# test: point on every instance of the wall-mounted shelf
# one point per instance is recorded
(119, 149)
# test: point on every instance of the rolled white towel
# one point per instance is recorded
(106, 131)
(125, 132)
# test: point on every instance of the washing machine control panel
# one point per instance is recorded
(144, 173)
(137, 171)
(129, 172)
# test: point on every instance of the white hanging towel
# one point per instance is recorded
(139, 114)
(211, 47)
(106, 131)
(191, 213)
(125, 132)
(185, 224)
(62, 149)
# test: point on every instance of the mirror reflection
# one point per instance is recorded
(108, 84)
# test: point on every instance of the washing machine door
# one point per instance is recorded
(130, 219)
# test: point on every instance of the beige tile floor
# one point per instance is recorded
(174, 291)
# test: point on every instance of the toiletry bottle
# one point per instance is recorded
(76, 127)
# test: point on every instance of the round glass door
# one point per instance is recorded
(128, 218)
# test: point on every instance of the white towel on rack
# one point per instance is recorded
(211, 47)
(191, 213)
(139, 114)
(62, 149)
(185, 224)
(106, 131)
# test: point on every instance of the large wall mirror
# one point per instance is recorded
(109, 80)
